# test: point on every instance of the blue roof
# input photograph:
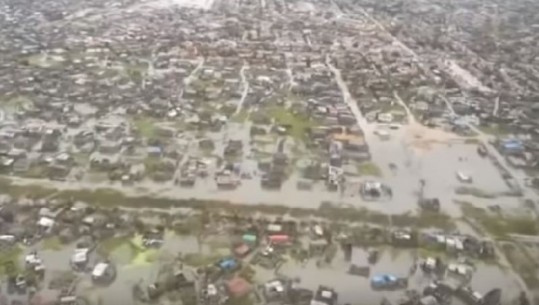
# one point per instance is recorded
(511, 141)
(513, 146)
(229, 263)
(385, 278)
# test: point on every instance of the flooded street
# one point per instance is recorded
(413, 159)
(132, 269)
(392, 261)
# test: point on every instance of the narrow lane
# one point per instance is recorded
(245, 85)
(348, 99)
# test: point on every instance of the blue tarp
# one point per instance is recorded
(228, 264)
(383, 279)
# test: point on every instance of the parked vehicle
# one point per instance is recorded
(388, 282)
(432, 265)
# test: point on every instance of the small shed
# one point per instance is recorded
(238, 287)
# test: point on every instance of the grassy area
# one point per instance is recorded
(81, 158)
(137, 253)
(36, 172)
(44, 61)
(240, 117)
(495, 130)
(52, 243)
(392, 107)
(108, 246)
(105, 197)
(497, 225)
(369, 169)
(145, 126)
(16, 102)
(423, 220)
(522, 263)
(297, 123)
(142, 255)
(136, 71)
(10, 256)
(200, 260)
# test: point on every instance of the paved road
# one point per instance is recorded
(245, 85)
(348, 99)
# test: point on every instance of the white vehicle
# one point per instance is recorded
(460, 269)
(463, 177)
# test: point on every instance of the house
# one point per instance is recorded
(154, 151)
(103, 273)
(279, 239)
(275, 290)
(101, 161)
(226, 181)
(242, 250)
(249, 238)
(45, 224)
(109, 147)
(325, 296)
(234, 147)
(165, 132)
(22, 165)
(403, 238)
(80, 258)
(238, 287)
(58, 171)
(511, 146)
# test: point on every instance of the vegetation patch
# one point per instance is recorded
(392, 107)
(10, 260)
(16, 102)
(132, 249)
(52, 243)
(145, 126)
(112, 198)
(499, 226)
(369, 169)
(200, 260)
(522, 263)
(296, 123)
(142, 255)
(107, 246)
(240, 117)
(495, 130)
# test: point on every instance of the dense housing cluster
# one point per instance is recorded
(229, 152)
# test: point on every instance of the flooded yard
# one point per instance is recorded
(395, 262)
